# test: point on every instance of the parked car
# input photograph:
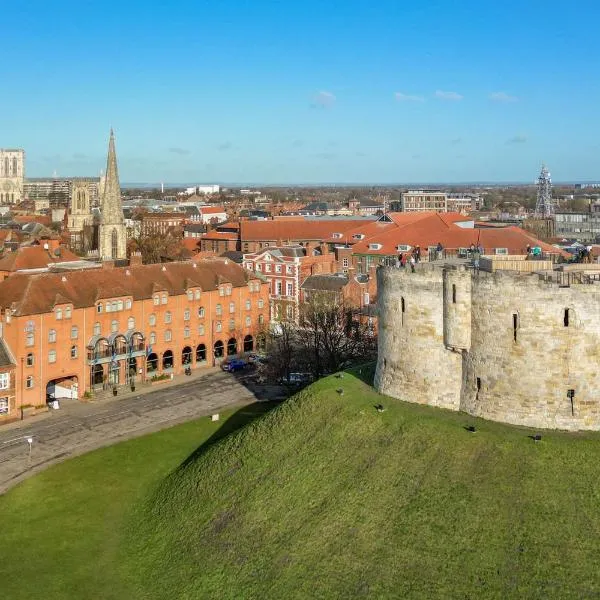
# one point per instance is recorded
(297, 379)
(233, 364)
(255, 358)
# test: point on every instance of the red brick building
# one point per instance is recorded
(104, 327)
(286, 268)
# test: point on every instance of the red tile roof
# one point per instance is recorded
(432, 228)
(209, 210)
(294, 229)
(35, 294)
(34, 257)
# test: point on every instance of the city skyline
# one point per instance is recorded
(305, 93)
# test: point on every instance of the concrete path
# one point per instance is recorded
(80, 427)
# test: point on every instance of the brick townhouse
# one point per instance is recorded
(100, 328)
(286, 268)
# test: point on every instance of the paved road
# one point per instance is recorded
(80, 427)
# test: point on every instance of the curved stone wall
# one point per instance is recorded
(502, 346)
(413, 363)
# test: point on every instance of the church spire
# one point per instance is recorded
(112, 235)
(112, 211)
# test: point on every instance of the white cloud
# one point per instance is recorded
(408, 97)
(454, 96)
(325, 99)
(502, 97)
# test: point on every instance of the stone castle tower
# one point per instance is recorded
(111, 233)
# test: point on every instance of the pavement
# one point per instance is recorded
(78, 427)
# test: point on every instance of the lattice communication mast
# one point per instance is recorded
(544, 206)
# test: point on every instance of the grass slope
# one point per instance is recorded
(323, 497)
(327, 498)
(62, 532)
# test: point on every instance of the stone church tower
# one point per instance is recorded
(79, 218)
(111, 234)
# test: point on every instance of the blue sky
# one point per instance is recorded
(304, 92)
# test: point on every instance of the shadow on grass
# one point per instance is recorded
(364, 372)
(235, 422)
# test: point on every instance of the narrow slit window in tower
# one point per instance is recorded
(566, 317)
(515, 325)
(453, 293)
(403, 307)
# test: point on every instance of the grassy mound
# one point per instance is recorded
(325, 497)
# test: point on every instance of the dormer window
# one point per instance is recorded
(375, 246)
(403, 247)
(358, 236)
(337, 236)
(59, 314)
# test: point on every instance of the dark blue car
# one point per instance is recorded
(233, 364)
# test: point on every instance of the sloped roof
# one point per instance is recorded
(293, 229)
(325, 283)
(443, 228)
(34, 294)
(34, 257)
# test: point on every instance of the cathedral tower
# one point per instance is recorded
(111, 234)
(79, 217)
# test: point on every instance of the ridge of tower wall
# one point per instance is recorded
(513, 347)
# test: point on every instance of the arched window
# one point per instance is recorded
(186, 332)
(156, 300)
(190, 295)
(52, 356)
(67, 312)
(248, 344)
(97, 328)
(29, 339)
(14, 166)
(231, 324)
(218, 310)
(114, 306)
(261, 319)
(152, 320)
(248, 305)
(231, 307)
(131, 323)
(197, 294)
(73, 351)
(58, 314)
(201, 312)
(261, 303)
(248, 321)
(168, 317)
(29, 382)
(152, 338)
(168, 335)
(163, 299)
(218, 349)
(201, 353)
(74, 332)
(186, 314)
(186, 356)
(6, 167)
(114, 326)
(52, 335)
(231, 346)
(218, 326)
(201, 330)
(114, 243)
(30, 360)
(120, 305)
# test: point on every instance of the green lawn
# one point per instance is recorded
(323, 497)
